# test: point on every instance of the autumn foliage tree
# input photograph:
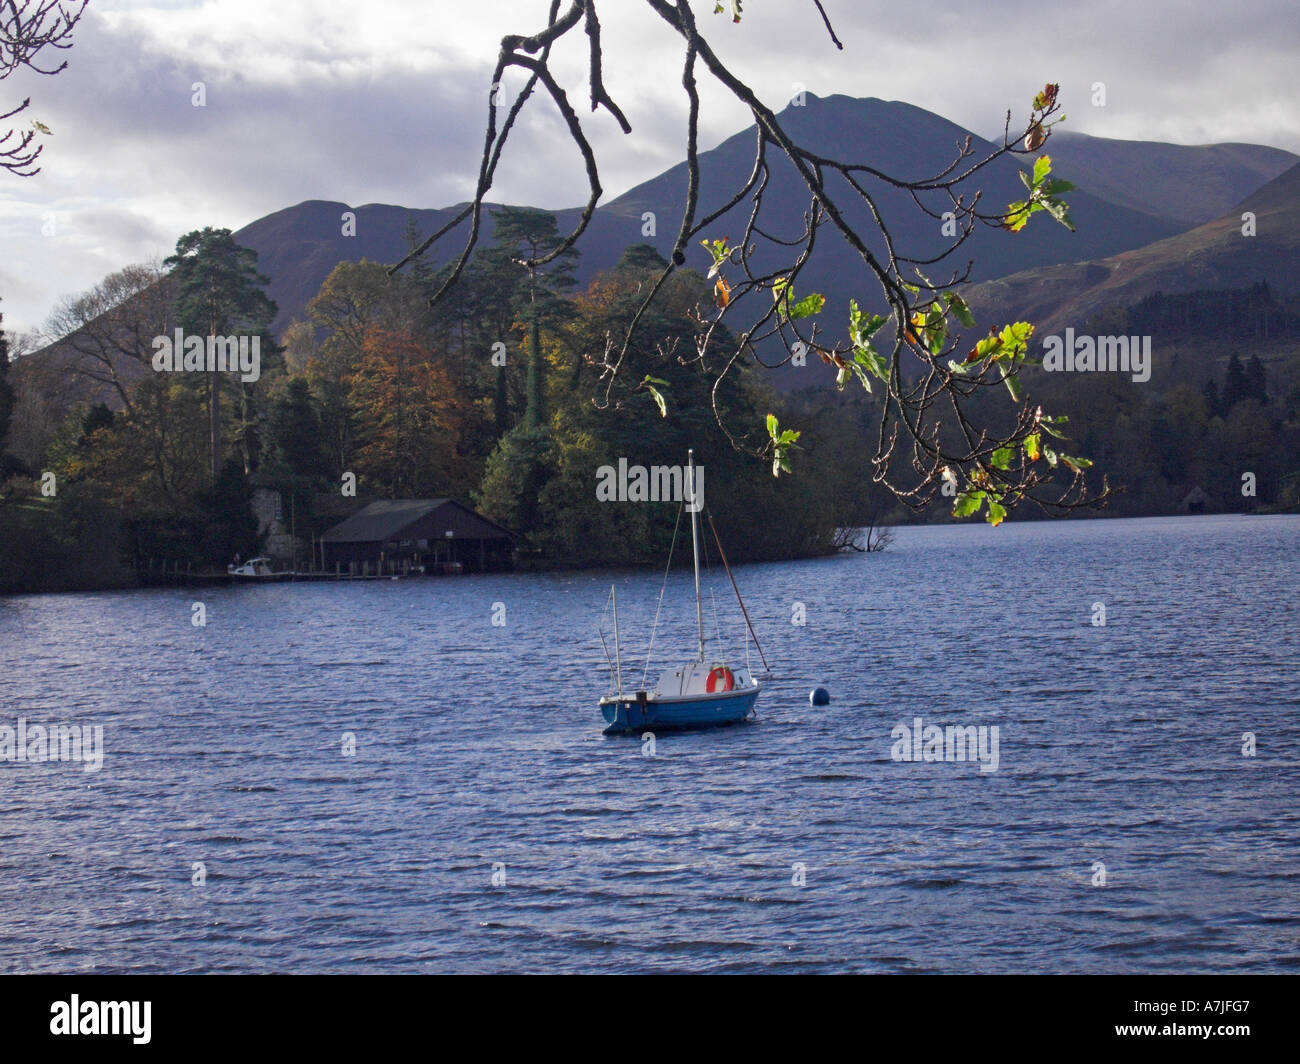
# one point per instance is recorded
(408, 416)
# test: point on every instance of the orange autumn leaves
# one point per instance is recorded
(408, 412)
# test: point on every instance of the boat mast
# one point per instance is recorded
(695, 543)
(618, 659)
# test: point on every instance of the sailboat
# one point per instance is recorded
(702, 693)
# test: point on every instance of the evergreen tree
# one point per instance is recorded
(6, 389)
(229, 526)
(527, 233)
(219, 292)
(1256, 380)
(1234, 384)
(297, 464)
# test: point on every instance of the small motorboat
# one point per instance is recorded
(254, 567)
(703, 693)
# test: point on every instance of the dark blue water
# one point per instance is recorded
(480, 744)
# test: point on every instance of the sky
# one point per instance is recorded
(385, 102)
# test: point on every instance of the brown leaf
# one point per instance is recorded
(721, 292)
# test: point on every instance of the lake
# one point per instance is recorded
(482, 823)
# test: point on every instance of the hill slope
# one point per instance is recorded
(298, 246)
(1190, 184)
(1213, 255)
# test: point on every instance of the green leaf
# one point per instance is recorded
(720, 250)
(1050, 455)
(1060, 210)
(1042, 167)
(1057, 185)
(997, 512)
(967, 503)
(1018, 214)
(1013, 386)
(1001, 458)
(869, 359)
(960, 309)
(936, 328)
(1015, 340)
(1047, 424)
(862, 328)
(781, 442)
(807, 306)
(649, 384)
(1032, 446)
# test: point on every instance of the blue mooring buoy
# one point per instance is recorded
(819, 696)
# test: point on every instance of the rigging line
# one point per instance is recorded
(708, 576)
(717, 630)
(748, 623)
(600, 631)
(662, 588)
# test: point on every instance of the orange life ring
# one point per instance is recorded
(720, 679)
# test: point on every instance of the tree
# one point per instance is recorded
(355, 297)
(1235, 387)
(407, 418)
(529, 236)
(542, 483)
(296, 461)
(929, 437)
(27, 28)
(1213, 402)
(229, 527)
(111, 327)
(6, 389)
(1256, 380)
(485, 307)
(219, 291)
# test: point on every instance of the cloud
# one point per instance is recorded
(385, 102)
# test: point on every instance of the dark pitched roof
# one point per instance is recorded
(393, 519)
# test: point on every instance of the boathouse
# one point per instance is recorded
(414, 535)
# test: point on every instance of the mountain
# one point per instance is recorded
(1190, 184)
(1132, 218)
(299, 246)
(1215, 255)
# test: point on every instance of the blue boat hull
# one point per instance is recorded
(630, 715)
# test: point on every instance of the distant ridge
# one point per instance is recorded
(1213, 255)
(1189, 184)
(1120, 253)
(298, 246)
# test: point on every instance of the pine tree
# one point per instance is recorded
(1234, 384)
(219, 291)
(529, 234)
(1256, 380)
